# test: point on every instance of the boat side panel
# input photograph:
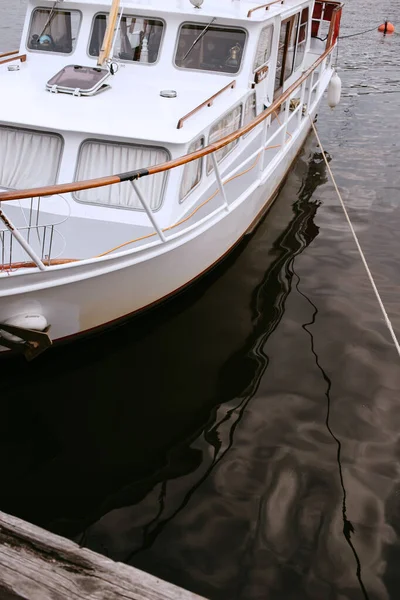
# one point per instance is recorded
(82, 305)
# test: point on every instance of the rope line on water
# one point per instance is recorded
(344, 37)
(360, 250)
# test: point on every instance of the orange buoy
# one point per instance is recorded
(386, 27)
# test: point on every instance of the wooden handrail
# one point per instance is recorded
(21, 57)
(5, 54)
(266, 6)
(65, 188)
(208, 102)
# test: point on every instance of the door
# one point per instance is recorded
(286, 52)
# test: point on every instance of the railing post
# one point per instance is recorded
(285, 125)
(302, 94)
(148, 211)
(16, 234)
(264, 143)
(310, 90)
(219, 181)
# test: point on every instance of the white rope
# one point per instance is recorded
(374, 287)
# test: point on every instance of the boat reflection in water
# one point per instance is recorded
(108, 441)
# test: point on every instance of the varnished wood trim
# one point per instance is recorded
(208, 102)
(261, 74)
(266, 6)
(62, 188)
(31, 265)
(93, 183)
(21, 57)
(5, 54)
(109, 34)
(335, 16)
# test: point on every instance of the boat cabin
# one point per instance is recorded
(174, 79)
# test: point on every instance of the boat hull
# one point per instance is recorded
(80, 298)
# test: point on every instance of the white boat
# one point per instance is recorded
(139, 142)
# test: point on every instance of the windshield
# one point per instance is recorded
(138, 38)
(54, 30)
(217, 49)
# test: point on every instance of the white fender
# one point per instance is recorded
(334, 90)
(35, 322)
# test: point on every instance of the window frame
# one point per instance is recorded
(40, 132)
(60, 9)
(254, 68)
(205, 70)
(254, 96)
(124, 60)
(130, 145)
(293, 26)
(234, 144)
(306, 25)
(202, 139)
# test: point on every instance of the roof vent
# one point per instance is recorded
(168, 93)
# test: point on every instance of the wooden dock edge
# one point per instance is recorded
(38, 565)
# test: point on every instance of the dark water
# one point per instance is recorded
(243, 441)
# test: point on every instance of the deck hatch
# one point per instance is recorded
(78, 80)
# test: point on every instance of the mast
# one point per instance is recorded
(109, 34)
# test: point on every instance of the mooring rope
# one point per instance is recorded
(362, 255)
(345, 37)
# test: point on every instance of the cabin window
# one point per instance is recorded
(138, 38)
(219, 49)
(264, 47)
(98, 158)
(192, 171)
(28, 158)
(54, 30)
(302, 38)
(249, 109)
(227, 125)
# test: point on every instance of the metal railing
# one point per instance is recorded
(33, 239)
(45, 235)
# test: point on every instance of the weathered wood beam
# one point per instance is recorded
(38, 565)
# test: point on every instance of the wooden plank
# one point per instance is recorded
(38, 565)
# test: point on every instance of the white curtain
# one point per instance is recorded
(226, 126)
(249, 109)
(192, 171)
(264, 47)
(28, 159)
(98, 159)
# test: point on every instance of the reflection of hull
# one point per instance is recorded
(127, 420)
(80, 297)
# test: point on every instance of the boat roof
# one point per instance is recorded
(121, 112)
(225, 9)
